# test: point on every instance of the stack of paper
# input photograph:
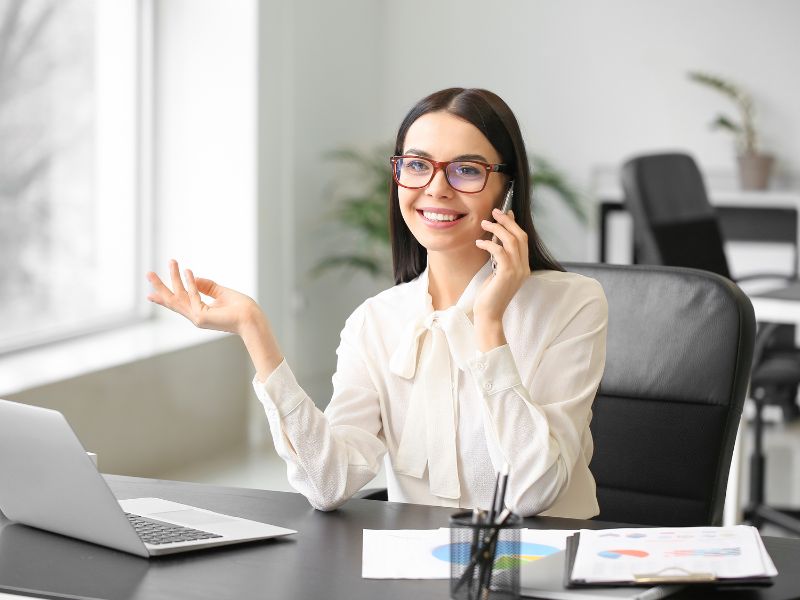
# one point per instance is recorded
(683, 554)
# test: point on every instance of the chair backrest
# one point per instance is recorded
(673, 221)
(680, 344)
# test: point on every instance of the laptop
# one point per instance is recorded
(48, 481)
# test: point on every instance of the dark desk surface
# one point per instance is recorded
(323, 560)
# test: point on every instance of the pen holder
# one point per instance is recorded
(484, 559)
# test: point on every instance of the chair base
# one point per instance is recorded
(785, 518)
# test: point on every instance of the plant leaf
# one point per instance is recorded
(723, 122)
(718, 83)
(545, 175)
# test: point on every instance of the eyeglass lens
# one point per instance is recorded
(464, 176)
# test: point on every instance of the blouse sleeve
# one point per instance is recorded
(537, 416)
(331, 455)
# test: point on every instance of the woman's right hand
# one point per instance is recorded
(231, 311)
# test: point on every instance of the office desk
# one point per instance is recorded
(322, 561)
(743, 217)
(778, 306)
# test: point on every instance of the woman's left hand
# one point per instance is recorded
(511, 272)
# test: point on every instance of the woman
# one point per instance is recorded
(467, 363)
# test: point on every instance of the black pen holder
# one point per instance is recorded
(484, 559)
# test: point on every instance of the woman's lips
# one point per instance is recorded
(437, 224)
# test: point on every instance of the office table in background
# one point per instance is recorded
(322, 561)
(778, 306)
(744, 216)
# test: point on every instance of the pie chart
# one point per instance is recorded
(621, 553)
(507, 555)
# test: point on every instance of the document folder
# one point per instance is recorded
(709, 555)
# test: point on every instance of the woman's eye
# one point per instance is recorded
(417, 166)
(467, 170)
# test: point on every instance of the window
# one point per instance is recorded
(70, 190)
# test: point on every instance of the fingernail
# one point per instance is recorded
(496, 211)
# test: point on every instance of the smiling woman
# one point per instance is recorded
(458, 369)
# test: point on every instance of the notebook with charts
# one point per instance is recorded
(646, 556)
(50, 483)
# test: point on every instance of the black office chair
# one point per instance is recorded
(664, 423)
(674, 224)
(680, 343)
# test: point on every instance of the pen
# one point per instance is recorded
(491, 549)
(500, 498)
(489, 538)
(493, 508)
(483, 567)
(485, 578)
(477, 517)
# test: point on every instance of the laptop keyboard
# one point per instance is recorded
(158, 532)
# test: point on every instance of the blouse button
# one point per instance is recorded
(480, 366)
(487, 386)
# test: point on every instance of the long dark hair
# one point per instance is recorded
(494, 119)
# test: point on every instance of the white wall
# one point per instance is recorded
(591, 83)
(594, 82)
(205, 138)
(156, 414)
(320, 74)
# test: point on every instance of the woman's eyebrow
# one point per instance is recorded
(424, 154)
(471, 157)
(416, 152)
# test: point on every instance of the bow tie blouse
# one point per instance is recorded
(411, 388)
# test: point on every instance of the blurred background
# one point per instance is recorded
(247, 139)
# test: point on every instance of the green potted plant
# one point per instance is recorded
(366, 210)
(754, 166)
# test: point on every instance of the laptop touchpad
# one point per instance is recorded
(190, 516)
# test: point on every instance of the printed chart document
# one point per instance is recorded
(680, 554)
(425, 553)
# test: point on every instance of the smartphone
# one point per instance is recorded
(507, 201)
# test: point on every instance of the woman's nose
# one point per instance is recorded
(439, 186)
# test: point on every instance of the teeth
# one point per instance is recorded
(433, 216)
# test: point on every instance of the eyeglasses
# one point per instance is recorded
(466, 176)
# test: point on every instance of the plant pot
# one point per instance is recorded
(754, 171)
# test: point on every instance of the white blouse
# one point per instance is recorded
(412, 388)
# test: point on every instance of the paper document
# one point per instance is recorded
(625, 555)
(425, 553)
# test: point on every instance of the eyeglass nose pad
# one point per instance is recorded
(436, 172)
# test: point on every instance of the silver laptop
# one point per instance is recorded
(48, 481)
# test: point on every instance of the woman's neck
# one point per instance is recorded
(449, 275)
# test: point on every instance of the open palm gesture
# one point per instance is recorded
(228, 312)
